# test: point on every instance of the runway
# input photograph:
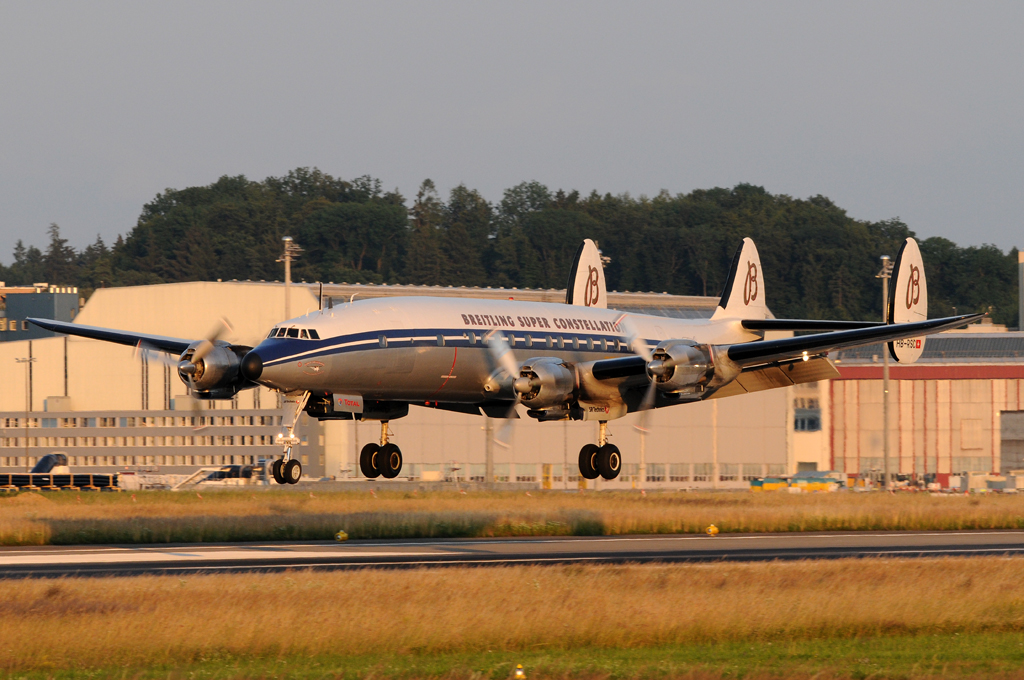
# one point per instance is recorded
(53, 561)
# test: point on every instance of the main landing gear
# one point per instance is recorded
(381, 460)
(602, 459)
(288, 470)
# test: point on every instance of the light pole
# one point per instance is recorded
(291, 252)
(885, 274)
(28, 361)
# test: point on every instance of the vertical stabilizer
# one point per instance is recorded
(586, 286)
(908, 300)
(743, 297)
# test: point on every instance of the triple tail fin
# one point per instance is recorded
(743, 297)
(586, 285)
(908, 300)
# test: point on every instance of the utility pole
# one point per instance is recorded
(488, 450)
(28, 361)
(643, 459)
(291, 252)
(565, 455)
(714, 443)
(885, 274)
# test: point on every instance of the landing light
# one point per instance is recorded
(805, 355)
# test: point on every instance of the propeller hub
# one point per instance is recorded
(658, 367)
(186, 368)
(522, 385)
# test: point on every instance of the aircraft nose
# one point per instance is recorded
(252, 366)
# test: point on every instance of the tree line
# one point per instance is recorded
(818, 261)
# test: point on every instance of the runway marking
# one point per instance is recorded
(701, 537)
(129, 557)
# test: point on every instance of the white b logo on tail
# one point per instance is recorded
(913, 286)
(750, 284)
(592, 293)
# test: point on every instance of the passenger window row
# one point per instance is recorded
(549, 342)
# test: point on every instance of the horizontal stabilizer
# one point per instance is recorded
(766, 351)
(159, 342)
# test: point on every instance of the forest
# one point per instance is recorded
(818, 261)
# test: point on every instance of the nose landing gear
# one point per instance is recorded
(603, 459)
(381, 460)
(288, 470)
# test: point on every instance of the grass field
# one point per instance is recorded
(841, 618)
(214, 516)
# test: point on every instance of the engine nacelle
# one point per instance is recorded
(681, 366)
(216, 375)
(545, 383)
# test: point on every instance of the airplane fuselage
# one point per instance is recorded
(435, 349)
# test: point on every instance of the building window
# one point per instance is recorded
(728, 472)
(679, 472)
(807, 423)
(656, 472)
(24, 325)
(751, 471)
(702, 472)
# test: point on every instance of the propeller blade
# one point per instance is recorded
(154, 353)
(646, 405)
(198, 414)
(497, 343)
(503, 437)
(207, 345)
(636, 343)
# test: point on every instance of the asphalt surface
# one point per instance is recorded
(53, 561)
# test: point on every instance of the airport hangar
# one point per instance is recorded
(110, 408)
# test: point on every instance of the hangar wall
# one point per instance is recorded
(128, 409)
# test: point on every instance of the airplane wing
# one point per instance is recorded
(805, 325)
(765, 351)
(160, 342)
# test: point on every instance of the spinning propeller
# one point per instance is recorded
(190, 365)
(186, 367)
(498, 345)
(654, 368)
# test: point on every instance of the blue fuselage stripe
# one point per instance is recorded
(275, 351)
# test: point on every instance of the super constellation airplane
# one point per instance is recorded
(371, 359)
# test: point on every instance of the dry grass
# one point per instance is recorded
(145, 621)
(158, 517)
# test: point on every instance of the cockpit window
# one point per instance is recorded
(302, 333)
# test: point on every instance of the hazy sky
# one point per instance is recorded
(913, 110)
